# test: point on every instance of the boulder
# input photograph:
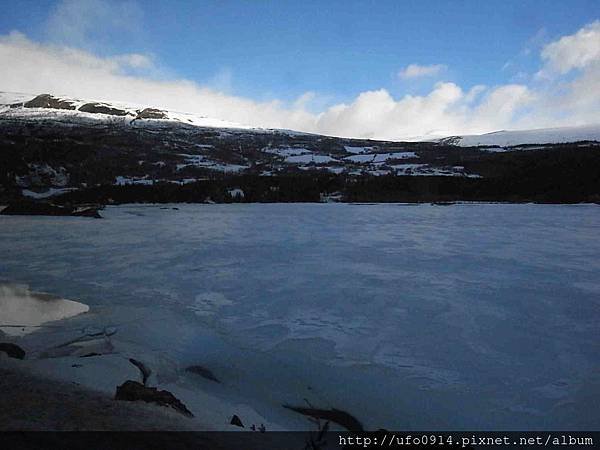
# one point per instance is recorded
(151, 113)
(235, 420)
(12, 350)
(102, 108)
(133, 390)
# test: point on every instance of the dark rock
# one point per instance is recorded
(235, 420)
(12, 350)
(151, 113)
(145, 371)
(89, 355)
(133, 390)
(49, 101)
(203, 372)
(334, 415)
(27, 207)
(33, 208)
(87, 211)
(102, 108)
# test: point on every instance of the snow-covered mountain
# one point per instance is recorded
(224, 146)
(44, 106)
(51, 145)
(562, 135)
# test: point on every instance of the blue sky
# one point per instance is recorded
(281, 50)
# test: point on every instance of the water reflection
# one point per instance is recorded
(23, 311)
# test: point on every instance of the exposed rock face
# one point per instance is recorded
(132, 391)
(48, 101)
(101, 108)
(151, 113)
(203, 372)
(12, 350)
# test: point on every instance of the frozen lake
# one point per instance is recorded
(407, 316)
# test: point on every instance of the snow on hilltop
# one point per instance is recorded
(528, 137)
(179, 149)
(45, 106)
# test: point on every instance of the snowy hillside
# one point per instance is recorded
(94, 150)
(528, 137)
(207, 144)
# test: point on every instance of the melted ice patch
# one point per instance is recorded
(22, 311)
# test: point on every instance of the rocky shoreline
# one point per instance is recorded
(42, 208)
(34, 403)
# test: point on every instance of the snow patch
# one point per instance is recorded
(236, 193)
(358, 150)
(380, 157)
(123, 181)
(307, 159)
(529, 137)
(48, 193)
(285, 152)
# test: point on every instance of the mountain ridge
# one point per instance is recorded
(61, 148)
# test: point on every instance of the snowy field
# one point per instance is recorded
(509, 138)
(472, 316)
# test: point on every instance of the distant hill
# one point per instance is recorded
(506, 139)
(83, 150)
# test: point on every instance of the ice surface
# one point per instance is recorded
(472, 316)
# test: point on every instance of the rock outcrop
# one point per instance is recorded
(151, 113)
(133, 391)
(31, 208)
(49, 101)
(101, 108)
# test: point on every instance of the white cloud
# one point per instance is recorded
(416, 71)
(221, 81)
(576, 96)
(135, 61)
(448, 109)
(92, 24)
(27, 66)
(575, 51)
